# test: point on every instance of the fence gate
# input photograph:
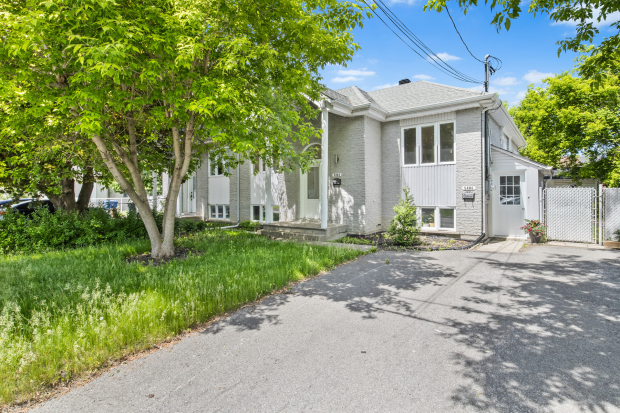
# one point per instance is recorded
(611, 213)
(570, 214)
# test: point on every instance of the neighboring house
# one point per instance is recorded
(427, 136)
(559, 178)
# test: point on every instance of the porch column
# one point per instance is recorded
(268, 200)
(324, 164)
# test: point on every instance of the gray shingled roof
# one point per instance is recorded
(332, 94)
(407, 96)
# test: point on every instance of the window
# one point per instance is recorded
(313, 183)
(216, 169)
(258, 213)
(411, 156)
(437, 217)
(220, 212)
(446, 142)
(510, 190)
(428, 144)
(446, 218)
(428, 217)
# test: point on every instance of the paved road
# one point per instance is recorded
(428, 332)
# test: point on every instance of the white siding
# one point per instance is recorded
(433, 185)
(440, 117)
(257, 188)
(219, 190)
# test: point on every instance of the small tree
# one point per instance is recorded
(404, 227)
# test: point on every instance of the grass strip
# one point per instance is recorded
(66, 313)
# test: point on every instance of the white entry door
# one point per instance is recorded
(188, 196)
(509, 204)
(310, 190)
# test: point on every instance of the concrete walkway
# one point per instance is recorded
(504, 247)
(447, 331)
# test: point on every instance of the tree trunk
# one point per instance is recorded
(66, 199)
(88, 184)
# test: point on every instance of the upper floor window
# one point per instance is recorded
(215, 169)
(429, 144)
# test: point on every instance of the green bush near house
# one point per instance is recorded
(65, 313)
(617, 235)
(250, 225)
(404, 228)
(45, 231)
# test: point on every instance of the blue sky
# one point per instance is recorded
(528, 50)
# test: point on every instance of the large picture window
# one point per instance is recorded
(429, 144)
(446, 142)
(411, 155)
(220, 212)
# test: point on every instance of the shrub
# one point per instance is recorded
(617, 234)
(249, 225)
(404, 228)
(354, 240)
(45, 231)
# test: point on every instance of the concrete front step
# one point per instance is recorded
(304, 231)
(307, 228)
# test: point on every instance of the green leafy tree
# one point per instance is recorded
(39, 154)
(566, 119)
(586, 14)
(404, 227)
(156, 84)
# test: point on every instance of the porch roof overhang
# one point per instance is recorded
(523, 159)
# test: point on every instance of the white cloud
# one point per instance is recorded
(423, 77)
(346, 79)
(504, 81)
(354, 72)
(534, 76)
(444, 56)
(519, 96)
(492, 89)
(373, 61)
(385, 86)
(611, 18)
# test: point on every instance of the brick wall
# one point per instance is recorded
(469, 171)
(347, 202)
(373, 177)
(390, 171)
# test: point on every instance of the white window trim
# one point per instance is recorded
(436, 144)
(225, 218)
(437, 217)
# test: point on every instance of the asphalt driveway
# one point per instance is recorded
(429, 332)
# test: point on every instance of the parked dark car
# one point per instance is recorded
(6, 204)
(28, 207)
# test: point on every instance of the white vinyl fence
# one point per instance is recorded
(611, 213)
(571, 214)
(581, 214)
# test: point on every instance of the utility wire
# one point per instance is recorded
(457, 31)
(431, 57)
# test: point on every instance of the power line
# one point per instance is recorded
(431, 57)
(457, 31)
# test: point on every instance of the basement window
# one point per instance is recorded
(259, 213)
(220, 212)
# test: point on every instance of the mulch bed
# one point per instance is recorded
(427, 242)
(146, 259)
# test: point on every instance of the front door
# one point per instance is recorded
(188, 196)
(508, 204)
(310, 189)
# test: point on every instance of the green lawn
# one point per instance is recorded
(65, 313)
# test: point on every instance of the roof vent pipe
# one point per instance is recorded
(404, 81)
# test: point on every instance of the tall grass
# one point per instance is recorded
(65, 313)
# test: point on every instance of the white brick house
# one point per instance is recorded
(427, 136)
